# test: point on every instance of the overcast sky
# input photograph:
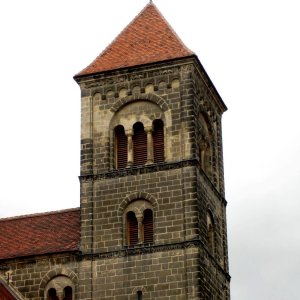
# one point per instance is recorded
(250, 50)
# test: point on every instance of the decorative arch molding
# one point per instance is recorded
(149, 97)
(139, 288)
(134, 196)
(52, 274)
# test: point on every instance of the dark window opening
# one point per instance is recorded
(121, 147)
(132, 229)
(52, 294)
(139, 295)
(68, 293)
(148, 227)
(139, 144)
(158, 141)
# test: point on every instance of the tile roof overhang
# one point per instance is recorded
(38, 234)
(147, 39)
(7, 292)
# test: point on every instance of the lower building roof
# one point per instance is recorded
(37, 234)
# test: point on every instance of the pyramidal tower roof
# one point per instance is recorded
(147, 39)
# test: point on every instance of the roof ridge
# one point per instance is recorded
(148, 38)
(33, 215)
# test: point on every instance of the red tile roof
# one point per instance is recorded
(38, 234)
(147, 39)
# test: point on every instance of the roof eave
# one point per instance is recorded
(78, 77)
(32, 255)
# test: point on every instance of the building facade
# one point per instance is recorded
(152, 216)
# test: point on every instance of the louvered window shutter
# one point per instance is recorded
(158, 141)
(121, 147)
(148, 227)
(139, 145)
(68, 293)
(132, 229)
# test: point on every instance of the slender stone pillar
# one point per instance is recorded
(130, 148)
(150, 159)
(139, 218)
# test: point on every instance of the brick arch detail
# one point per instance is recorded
(139, 288)
(134, 196)
(53, 273)
(149, 97)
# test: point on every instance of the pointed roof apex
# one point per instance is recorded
(147, 39)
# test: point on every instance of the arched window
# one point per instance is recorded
(139, 144)
(52, 294)
(132, 229)
(205, 145)
(138, 223)
(121, 147)
(210, 232)
(59, 287)
(68, 293)
(147, 227)
(158, 141)
(139, 295)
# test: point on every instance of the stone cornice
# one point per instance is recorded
(136, 170)
(151, 168)
(151, 248)
(134, 73)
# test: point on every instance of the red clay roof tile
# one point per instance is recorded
(38, 234)
(147, 39)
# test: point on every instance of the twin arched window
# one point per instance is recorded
(139, 146)
(67, 294)
(139, 223)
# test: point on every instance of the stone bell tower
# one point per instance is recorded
(153, 208)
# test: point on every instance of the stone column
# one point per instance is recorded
(140, 218)
(150, 159)
(129, 148)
